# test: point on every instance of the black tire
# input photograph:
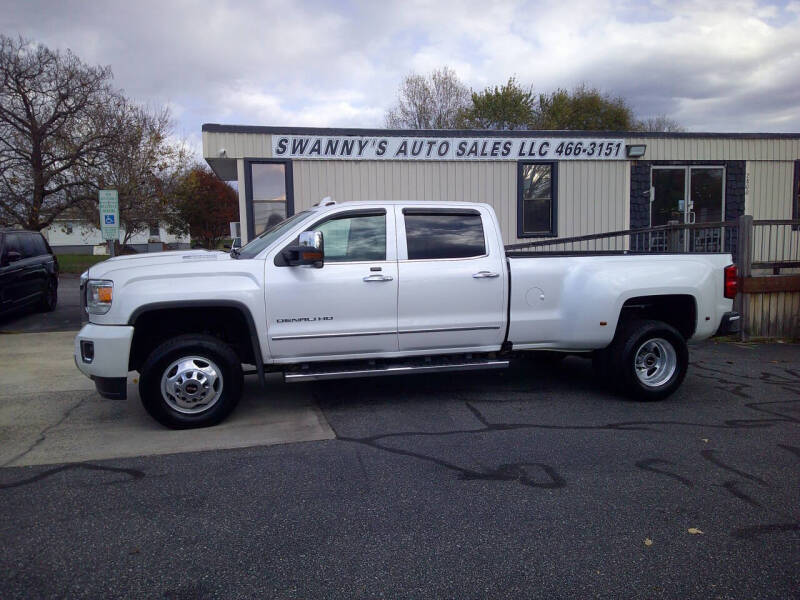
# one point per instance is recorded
(207, 348)
(666, 347)
(49, 299)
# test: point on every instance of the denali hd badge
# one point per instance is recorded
(304, 319)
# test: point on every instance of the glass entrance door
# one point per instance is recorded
(705, 206)
(687, 195)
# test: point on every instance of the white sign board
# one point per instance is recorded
(109, 214)
(446, 148)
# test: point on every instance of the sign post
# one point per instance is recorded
(109, 217)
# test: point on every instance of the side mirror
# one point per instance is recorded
(12, 256)
(310, 251)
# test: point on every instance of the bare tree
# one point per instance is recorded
(144, 166)
(659, 123)
(54, 129)
(429, 102)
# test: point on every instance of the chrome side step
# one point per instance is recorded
(381, 371)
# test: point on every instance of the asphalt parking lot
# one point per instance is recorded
(532, 482)
(66, 316)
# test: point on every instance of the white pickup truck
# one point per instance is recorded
(382, 288)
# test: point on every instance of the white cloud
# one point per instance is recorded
(712, 65)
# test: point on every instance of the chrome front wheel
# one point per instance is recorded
(192, 384)
(192, 380)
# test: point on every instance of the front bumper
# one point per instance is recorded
(729, 324)
(101, 353)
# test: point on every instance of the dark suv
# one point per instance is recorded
(28, 271)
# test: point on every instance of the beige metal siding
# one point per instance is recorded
(718, 148)
(771, 187)
(259, 145)
(592, 196)
(237, 145)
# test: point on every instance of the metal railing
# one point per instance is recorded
(683, 238)
(775, 244)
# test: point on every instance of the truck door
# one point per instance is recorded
(453, 287)
(347, 307)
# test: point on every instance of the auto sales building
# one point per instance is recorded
(542, 184)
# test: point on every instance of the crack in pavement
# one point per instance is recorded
(43, 433)
(133, 473)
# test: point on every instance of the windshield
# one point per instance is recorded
(270, 235)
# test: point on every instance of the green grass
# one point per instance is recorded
(77, 263)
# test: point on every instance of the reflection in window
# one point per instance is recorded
(431, 236)
(355, 238)
(537, 199)
(269, 195)
(796, 205)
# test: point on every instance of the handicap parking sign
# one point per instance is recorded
(108, 201)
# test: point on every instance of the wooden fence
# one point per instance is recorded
(769, 271)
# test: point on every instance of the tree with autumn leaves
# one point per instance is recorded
(203, 206)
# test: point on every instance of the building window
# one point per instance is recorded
(154, 230)
(536, 199)
(796, 197)
(269, 194)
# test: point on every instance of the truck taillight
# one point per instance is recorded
(731, 281)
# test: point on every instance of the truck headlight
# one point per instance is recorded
(99, 293)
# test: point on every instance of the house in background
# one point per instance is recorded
(77, 236)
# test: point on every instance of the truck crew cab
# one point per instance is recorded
(381, 288)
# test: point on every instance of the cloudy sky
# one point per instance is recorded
(730, 65)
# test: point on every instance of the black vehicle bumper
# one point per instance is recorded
(729, 324)
(115, 388)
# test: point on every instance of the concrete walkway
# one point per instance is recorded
(50, 413)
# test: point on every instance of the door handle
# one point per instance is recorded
(485, 274)
(378, 277)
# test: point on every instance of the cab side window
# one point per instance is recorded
(432, 235)
(349, 237)
(354, 238)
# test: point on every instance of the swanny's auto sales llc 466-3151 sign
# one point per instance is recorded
(445, 148)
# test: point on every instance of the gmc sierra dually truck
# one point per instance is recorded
(382, 288)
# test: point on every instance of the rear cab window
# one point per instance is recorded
(433, 234)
